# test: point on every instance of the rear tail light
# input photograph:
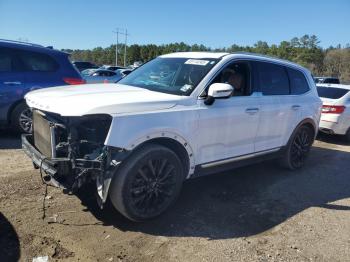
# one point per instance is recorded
(332, 109)
(74, 81)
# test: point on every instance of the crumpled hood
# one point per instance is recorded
(78, 100)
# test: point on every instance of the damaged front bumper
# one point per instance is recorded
(69, 160)
(51, 167)
(58, 171)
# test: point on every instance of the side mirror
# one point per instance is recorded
(218, 91)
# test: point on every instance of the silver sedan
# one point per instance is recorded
(102, 76)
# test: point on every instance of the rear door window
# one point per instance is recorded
(272, 79)
(33, 61)
(331, 81)
(330, 92)
(298, 83)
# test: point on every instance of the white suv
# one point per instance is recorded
(178, 116)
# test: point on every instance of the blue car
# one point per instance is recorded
(25, 67)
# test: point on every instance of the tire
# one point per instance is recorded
(140, 194)
(298, 148)
(21, 119)
(347, 136)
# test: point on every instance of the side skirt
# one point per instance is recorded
(239, 161)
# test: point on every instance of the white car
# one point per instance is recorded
(335, 118)
(178, 116)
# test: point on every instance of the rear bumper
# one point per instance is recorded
(333, 127)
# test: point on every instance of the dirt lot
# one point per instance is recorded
(255, 213)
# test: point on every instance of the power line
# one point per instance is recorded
(118, 31)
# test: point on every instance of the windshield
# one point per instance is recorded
(332, 93)
(178, 76)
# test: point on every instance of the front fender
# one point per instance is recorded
(130, 131)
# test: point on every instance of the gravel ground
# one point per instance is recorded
(255, 213)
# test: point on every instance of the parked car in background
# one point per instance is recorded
(103, 76)
(112, 68)
(179, 116)
(125, 72)
(326, 80)
(25, 67)
(335, 117)
(87, 72)
(136, 64)
(81, 65)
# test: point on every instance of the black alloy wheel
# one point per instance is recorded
(153, 185)
(300, 146)
(147, 182)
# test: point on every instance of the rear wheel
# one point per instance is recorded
(347, 136)
(21, 119)
(298, 148)
(147, 183)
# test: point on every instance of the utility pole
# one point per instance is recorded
(117, 31)
(126, 37)
(116, 47)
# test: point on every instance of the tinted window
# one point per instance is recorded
(84, 64)
(37, 62)
(332, 93)
(272, 79)
(111, 73)
(298, 83)
(331, 81)
(5, 60)
(104, 73)
(114, 68)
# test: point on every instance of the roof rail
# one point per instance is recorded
(264, 56)
(254, 54)
(20, 42)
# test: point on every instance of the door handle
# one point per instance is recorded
(251, 111)
(12, 83)
(295, 107)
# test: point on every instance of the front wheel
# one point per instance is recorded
(298, 148)
(147, 183)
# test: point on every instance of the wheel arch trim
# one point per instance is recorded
(171, 136)
(308, 121)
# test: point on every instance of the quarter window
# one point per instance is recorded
(298, 83)
(272, 79)
(37, 62)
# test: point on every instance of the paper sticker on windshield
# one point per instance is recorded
(197, 62)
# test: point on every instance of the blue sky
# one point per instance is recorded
(87, 24)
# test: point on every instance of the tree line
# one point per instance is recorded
(331, 61)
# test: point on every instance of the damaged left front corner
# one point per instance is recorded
(71, 151)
